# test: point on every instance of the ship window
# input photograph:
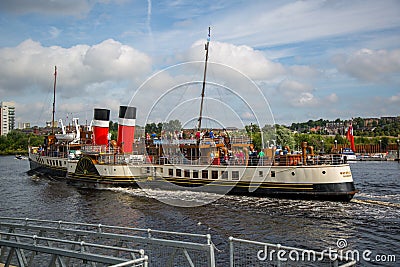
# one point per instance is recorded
(171, 172)
(235, 175)
(293, 173)
(260, 173)
(178, 172)
(224, 175)
(147, 169)
(323, 172)
(204, 174)
(186, 173)
(195, 174)
(272, 173)
(214, 174)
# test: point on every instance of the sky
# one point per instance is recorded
(269, 61)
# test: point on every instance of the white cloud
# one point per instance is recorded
(303, 71)
(395, 99)
(299, 94)
(54, 32)
(332, 98)
(299, 21)
(243, 58)
(30, 65)
(370, 65)
(89, 75)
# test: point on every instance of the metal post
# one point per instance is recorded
(231, 260)
(323, 147)
(278, 247)
(211, 260)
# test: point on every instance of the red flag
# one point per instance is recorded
(350, 137)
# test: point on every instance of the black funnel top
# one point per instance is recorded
(126, 112)
(101, 114)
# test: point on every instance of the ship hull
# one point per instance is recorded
(332, 192)
(321, 182)
(53, 167)
(326, 182)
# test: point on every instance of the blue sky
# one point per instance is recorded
(309, 59)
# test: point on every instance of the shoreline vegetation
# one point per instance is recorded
(16, 142)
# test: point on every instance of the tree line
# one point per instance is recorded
(16, 142)
(361, 126)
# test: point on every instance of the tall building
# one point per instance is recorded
(7, 115)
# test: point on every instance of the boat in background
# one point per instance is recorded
(348, 155)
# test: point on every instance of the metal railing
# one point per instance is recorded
(252, 253)
(58, 243)
(32, 242)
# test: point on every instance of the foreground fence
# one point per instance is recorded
(252, 253)
(30, 242)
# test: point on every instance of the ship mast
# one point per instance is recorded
(54, 99)
(204, 80)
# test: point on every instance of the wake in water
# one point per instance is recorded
(182, 198)
(388, 198)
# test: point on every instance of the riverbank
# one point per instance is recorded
(23, 152)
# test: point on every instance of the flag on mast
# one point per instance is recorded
(350, 137)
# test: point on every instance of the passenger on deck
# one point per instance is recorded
(261, 155)
(211, 134)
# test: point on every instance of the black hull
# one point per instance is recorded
(332, 192)
(58, 173)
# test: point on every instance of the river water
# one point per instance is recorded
(370, 221)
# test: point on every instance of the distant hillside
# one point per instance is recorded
(384, 126)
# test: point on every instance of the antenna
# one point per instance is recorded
(204, 79)
(54, 99)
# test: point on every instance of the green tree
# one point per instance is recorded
(17, 142)
(253, 131)
(284, 136)
(172, 126)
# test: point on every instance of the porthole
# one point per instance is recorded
(323, 172)
(293, 173)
